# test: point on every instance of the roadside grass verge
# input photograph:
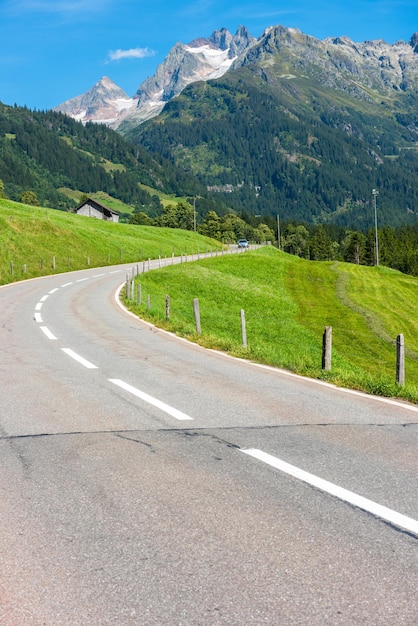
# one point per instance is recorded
(288, 301)
(35, 241)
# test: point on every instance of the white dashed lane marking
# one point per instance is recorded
(79, 359)
(178, 415)
(48, 333)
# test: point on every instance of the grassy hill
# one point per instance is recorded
(288, 301)
(36, 241)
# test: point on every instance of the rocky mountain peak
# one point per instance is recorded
(235, 44)
(105, 102)
(202, 59)
(413, 42)
(336, 62)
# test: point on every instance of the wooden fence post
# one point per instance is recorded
(139, 294)
(196, 310)
(167, 307)
(243, 329)
(327, 348)
(400, 360)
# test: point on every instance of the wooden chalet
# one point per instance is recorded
(93, 208)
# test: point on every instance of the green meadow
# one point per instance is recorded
(287, 302)
(36, 241)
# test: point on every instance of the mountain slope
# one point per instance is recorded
(44, 152)
(304, 128)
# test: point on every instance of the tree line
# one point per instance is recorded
(397, 247)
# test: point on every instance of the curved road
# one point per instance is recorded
(147, 481)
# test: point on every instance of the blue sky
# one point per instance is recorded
(53, 50)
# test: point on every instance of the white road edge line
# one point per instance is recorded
(178, 415)
(270, 368)
(47, 332)
(383, 512)
(79, 359)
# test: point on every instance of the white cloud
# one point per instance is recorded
(132, 53)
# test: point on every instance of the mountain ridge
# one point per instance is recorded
(361, 68)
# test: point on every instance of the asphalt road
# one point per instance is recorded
(147, 481)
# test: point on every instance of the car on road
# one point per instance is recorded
(243, 243)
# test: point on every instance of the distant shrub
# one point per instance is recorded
(29, 197)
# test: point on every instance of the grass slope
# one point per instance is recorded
(287, 302)
(32, 238)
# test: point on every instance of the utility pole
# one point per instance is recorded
(278, 231)
(194, 213)
(375, 193)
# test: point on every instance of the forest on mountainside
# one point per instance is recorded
(46, 151)
(288, 150)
